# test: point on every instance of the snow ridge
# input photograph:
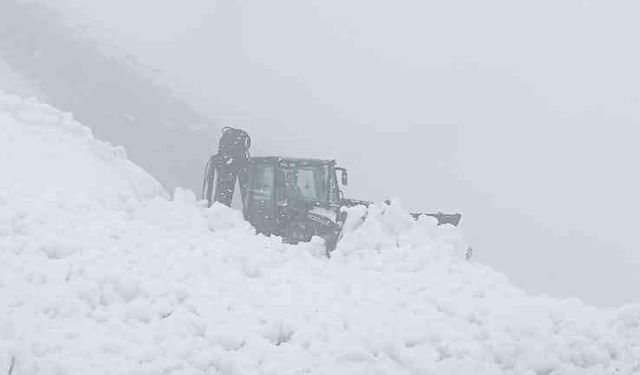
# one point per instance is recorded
(105, 273)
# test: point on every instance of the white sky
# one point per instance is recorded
(525, 116)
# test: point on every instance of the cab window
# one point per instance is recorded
(261, 188)
(307, 183)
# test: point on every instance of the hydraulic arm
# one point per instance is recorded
(230, 164)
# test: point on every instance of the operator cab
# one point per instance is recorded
(275, 184)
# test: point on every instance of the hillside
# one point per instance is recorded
(104, 272)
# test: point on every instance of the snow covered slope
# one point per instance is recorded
(104, 273)
(118, 99)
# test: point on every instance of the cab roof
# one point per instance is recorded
(286, 160)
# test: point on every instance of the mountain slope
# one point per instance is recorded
(104, 273)
(74, 74)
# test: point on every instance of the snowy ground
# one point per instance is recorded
(103, 272)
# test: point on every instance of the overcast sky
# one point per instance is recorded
(524, 116)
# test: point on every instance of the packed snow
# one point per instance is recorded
(103, 272)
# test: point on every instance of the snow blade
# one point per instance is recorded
(453, 219)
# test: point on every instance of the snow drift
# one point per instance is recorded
(104, 273)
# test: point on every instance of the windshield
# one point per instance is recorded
(313, 182)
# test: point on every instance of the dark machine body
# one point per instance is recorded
(293, 198)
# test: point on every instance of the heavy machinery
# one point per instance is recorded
(293, 198)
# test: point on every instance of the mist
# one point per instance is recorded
(524, 117)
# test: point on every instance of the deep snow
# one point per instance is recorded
(103, 272)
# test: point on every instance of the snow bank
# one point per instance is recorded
(104, 273)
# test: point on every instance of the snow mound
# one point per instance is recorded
(46, 155)
(104, 273)
(388, 227)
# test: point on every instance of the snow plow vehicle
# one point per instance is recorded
(293, 198)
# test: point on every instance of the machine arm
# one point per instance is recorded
(230, 164)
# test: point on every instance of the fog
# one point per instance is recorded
(524, 116)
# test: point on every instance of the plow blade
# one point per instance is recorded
(453, 219)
